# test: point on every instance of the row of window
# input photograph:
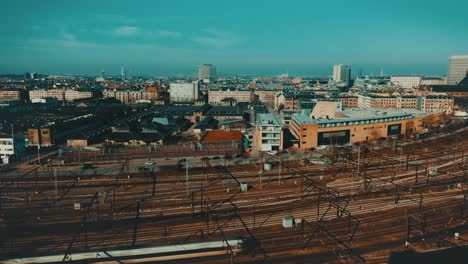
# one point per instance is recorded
(8, 149)
(362, 122)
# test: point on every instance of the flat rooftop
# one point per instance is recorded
(356, 115)
(268, 120)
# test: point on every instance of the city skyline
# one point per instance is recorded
(173, 38)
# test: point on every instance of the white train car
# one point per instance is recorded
(147, 254)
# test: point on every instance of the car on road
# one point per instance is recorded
(321, 147)
(150, 163)
(272, 152)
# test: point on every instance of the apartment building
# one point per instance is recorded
(10, 94)
(183, 92)
(406, 82)
(60, 94)
(216, 96)
(130, 97)
(429, 103)
(269, 132)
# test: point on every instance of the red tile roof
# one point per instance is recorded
(218, 136)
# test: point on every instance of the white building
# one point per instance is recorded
(241, 96)
(9, 147)
(433, 81)
(458, 67)
(183, 91)
(406, 82)
(60, 94)
(130, 97)
(269, 132)
(71, 95)
(206, 71)
(364, 102)
(342, 73)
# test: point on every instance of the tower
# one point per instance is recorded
(122, 71)
(342, 73)
(206, 71)
(458, 65)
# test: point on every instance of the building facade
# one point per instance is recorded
(458, 67)
(11, 146)
(437, 103)
(269, 132)
(60, 94)
(429, 103)
(10, 94)
(265, 96)
(342, 73)
(130, 97)
(183, 91)
(241, 96)
(358, 126)
(406, 82)
(348, 101)
(40, 136)
(206, 71)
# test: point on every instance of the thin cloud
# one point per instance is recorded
(126, 31)
(216, 38)
(169, 34)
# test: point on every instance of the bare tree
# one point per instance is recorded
(430, 121)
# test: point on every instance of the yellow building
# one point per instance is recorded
(358, 125)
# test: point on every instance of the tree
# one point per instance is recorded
(430, 121)
(375, 134)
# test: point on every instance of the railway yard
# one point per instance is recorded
(357, 205)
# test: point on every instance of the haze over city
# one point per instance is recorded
(242, 37)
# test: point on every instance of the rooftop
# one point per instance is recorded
(217, 136)
(268, 120)
(355, 115)
(226, 110)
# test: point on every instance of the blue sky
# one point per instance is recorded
(257, 37)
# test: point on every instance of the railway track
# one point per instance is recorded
(170, 216)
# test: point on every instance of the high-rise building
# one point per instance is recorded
(206, 71)
(342, 73)
(458, 66)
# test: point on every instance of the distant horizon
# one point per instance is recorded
(248, 37)
(271, 71)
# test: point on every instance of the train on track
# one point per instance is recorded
(231, 245)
